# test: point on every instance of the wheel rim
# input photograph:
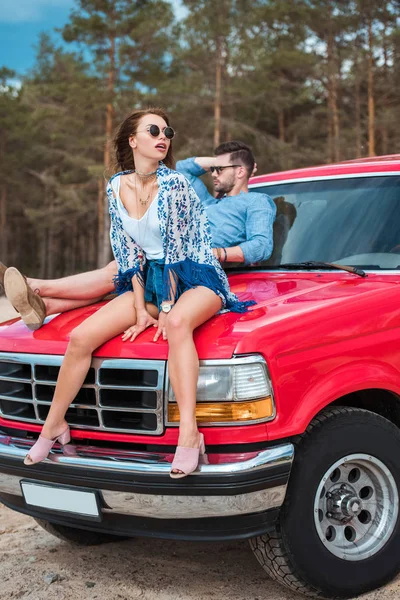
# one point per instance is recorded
(356, 507)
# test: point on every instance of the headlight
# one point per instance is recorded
(236, 391)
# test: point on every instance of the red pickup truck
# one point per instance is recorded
(299, 402)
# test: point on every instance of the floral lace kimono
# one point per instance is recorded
(186, 238)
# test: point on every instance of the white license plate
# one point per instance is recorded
(64, 499)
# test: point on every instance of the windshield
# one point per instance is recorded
(353, 222)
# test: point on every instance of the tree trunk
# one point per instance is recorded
(217, 102)
(330, 107)
(333, 120)
(329, 126)
(385, 137)
(110, 104)
(358, 116)
(101, 194)
(103, 254)
(333, 114)
(3, 224)
(371, 100)
(385, 96)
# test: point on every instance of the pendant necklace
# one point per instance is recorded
(145, 179)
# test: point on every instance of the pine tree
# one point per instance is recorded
(126, 38)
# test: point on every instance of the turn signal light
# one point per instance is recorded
(223, 412)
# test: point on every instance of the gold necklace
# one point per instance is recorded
(145, 179)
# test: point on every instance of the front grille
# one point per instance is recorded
(118, 395)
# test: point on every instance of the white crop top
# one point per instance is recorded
(145, 231)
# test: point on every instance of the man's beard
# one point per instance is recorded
(224, 188)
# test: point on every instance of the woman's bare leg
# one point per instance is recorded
(60, 305)
(192, 309)
(83, 286)
(106, 323)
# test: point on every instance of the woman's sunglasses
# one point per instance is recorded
(155, 131)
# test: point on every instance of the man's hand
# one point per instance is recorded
(161, 326)
(143, 321)
(254, 170)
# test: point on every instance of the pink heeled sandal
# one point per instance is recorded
(186, 460)
(41, 449)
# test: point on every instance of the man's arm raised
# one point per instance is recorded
(193, 169)
(205, 162)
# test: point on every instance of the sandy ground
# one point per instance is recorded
(137, 568)
(148, 569)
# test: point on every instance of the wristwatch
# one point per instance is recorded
(166, 307)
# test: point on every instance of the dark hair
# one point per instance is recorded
(128, 127)
(239, 152)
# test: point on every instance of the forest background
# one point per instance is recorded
(302, 81)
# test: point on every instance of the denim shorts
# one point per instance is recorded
(153, 289)
(154, 277)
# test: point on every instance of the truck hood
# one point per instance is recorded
(292, 310)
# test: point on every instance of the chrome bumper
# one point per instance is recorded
(203, 495)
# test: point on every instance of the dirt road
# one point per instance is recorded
(148, 569)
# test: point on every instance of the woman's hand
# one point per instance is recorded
(143, 321)
(162, 326)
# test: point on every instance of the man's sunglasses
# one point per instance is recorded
(218, 170)
(155, 131)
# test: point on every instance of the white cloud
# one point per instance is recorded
(25, 11)
(14, 83)
(12, 86)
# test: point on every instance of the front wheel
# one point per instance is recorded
(338, 533)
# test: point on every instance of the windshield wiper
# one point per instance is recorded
(315, 264)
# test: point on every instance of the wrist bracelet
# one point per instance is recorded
(226, 255)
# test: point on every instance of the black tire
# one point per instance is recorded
(79, 537)
(294, 553)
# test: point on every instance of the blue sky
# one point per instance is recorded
(21, 21)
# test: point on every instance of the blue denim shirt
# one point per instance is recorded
(245, 220)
